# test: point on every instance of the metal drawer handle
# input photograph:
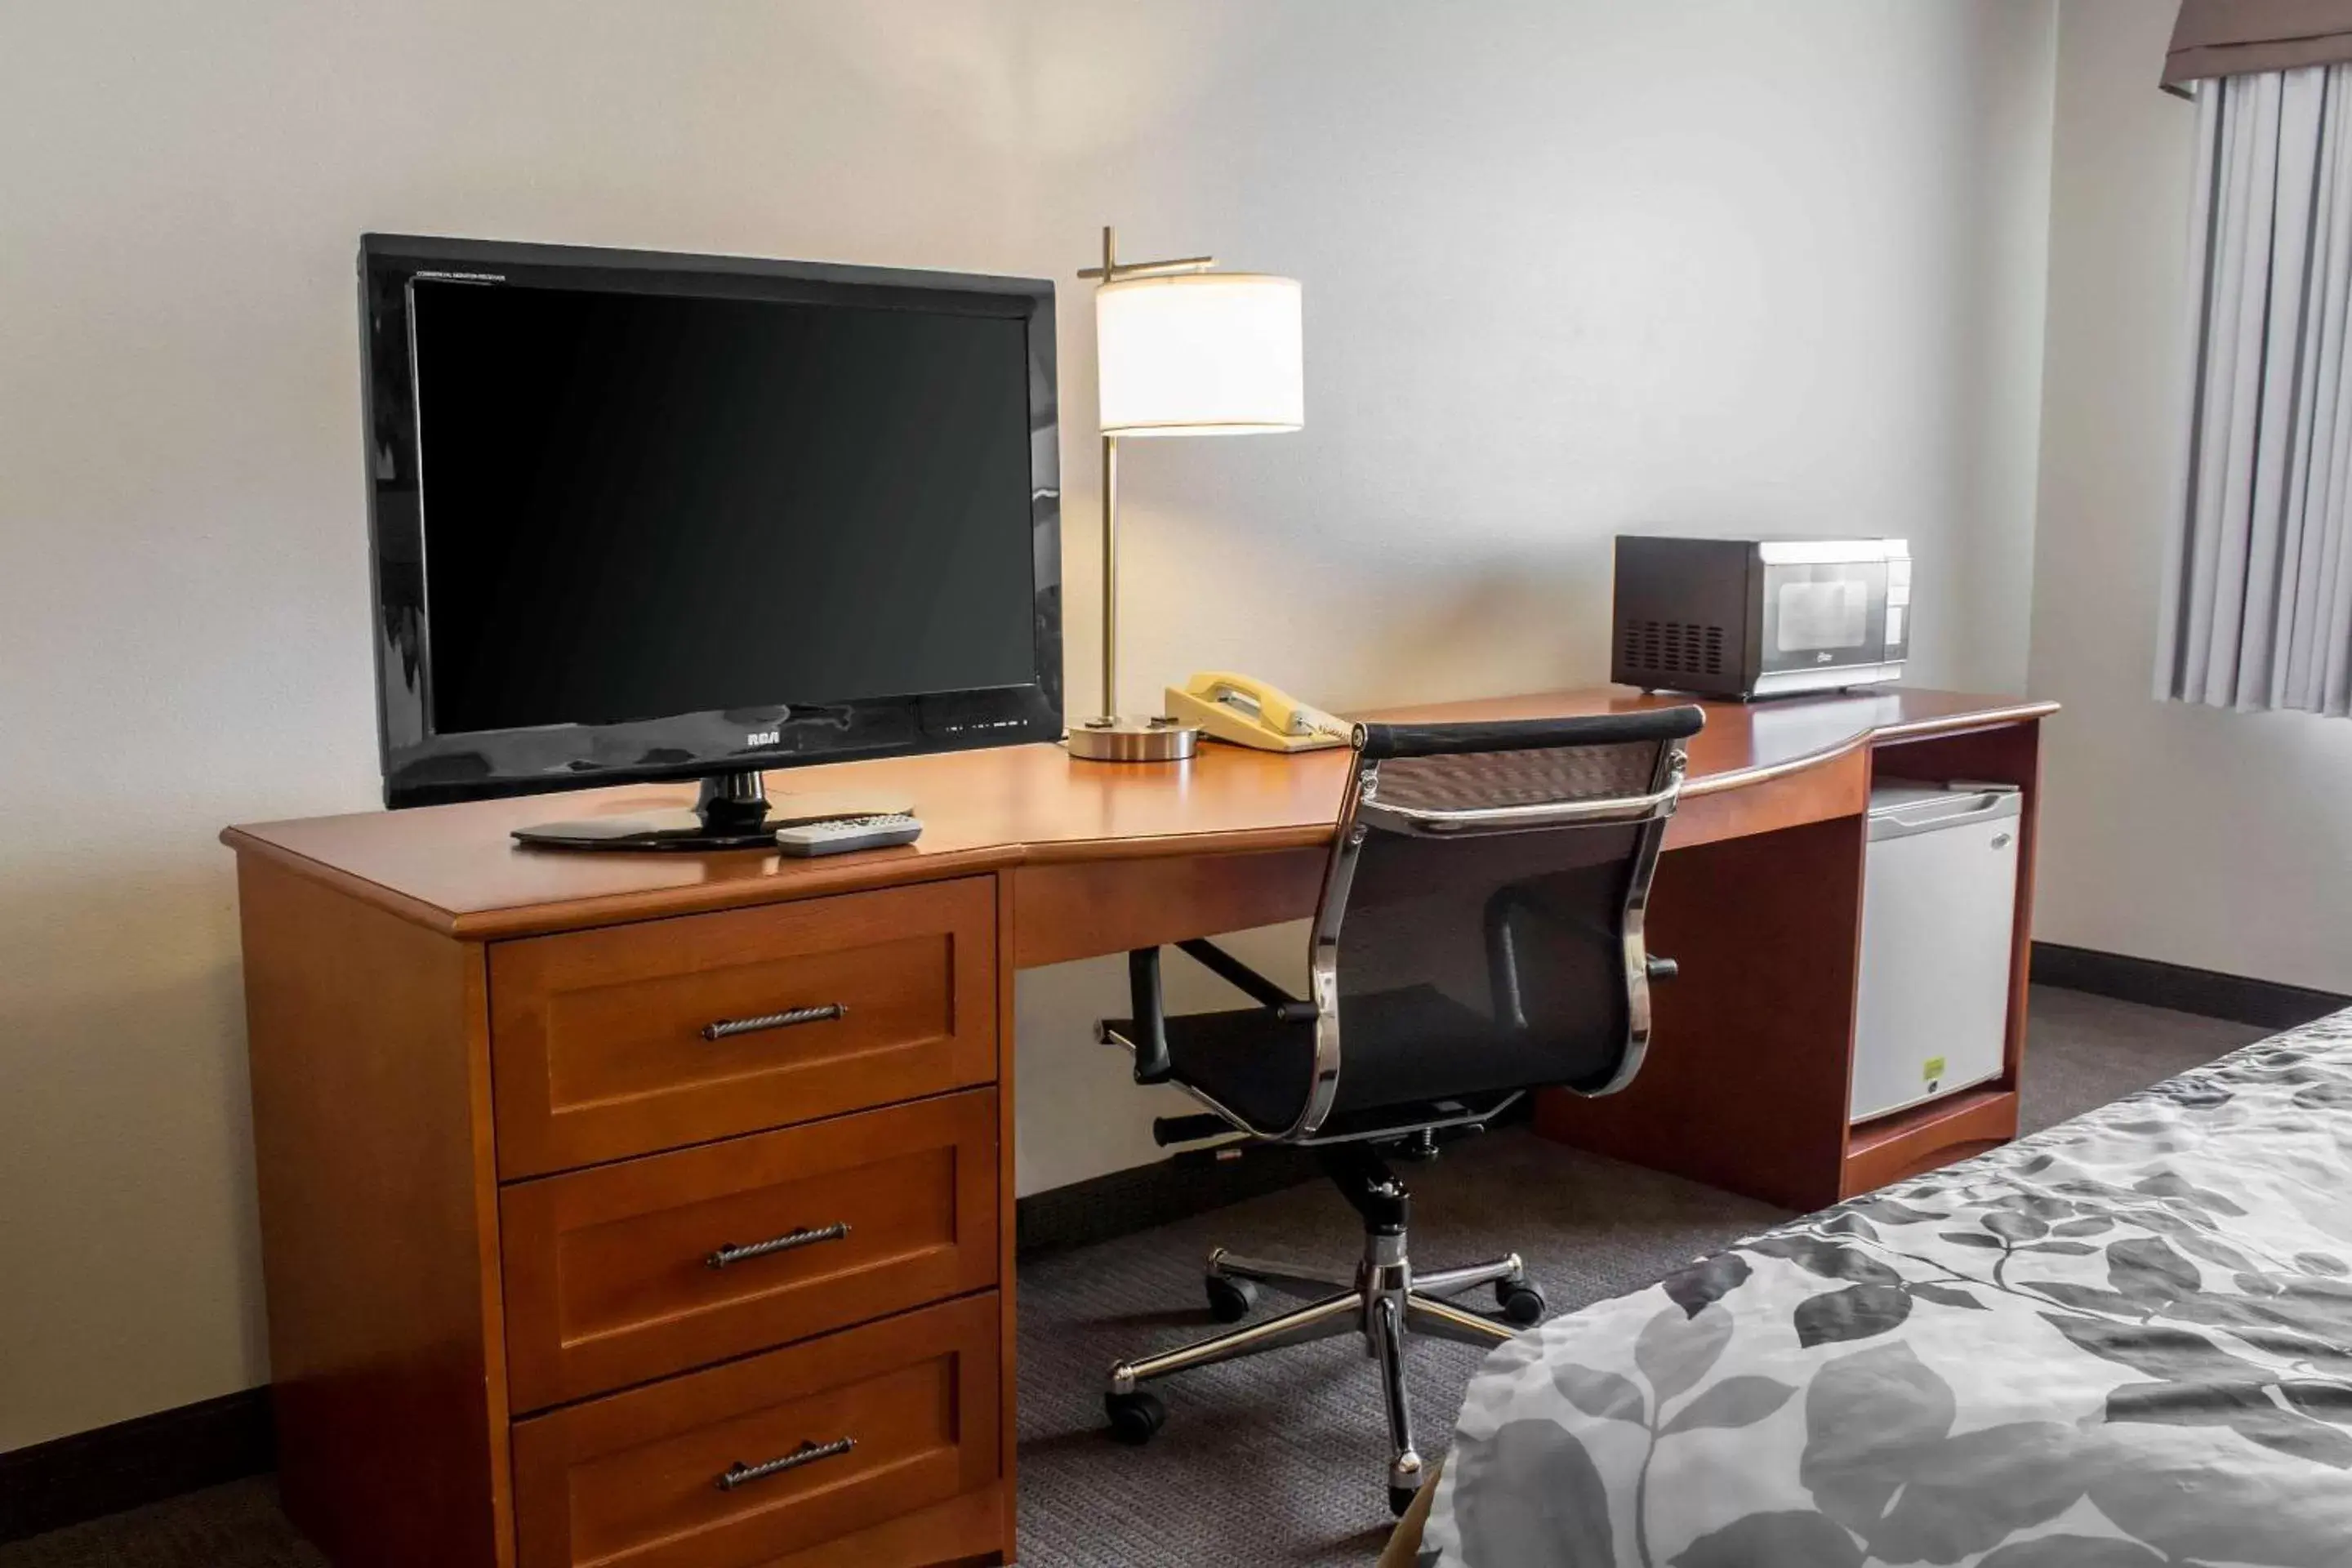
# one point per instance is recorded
(727, 1027)
(731, 1253)
(740, 1474)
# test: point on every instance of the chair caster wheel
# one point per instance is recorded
(1522, 1301)
(1229, 1301)
(1401, 1499)
(1134, 1417)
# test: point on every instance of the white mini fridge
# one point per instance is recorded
(1939, 898)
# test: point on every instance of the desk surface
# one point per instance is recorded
(453, 868)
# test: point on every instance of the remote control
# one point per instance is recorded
(842, 834)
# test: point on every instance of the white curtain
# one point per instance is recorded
(2258, 583)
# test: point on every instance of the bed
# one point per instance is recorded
(2123, 1343)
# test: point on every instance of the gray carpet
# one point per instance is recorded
(1278, 1460)
(2084, 1051)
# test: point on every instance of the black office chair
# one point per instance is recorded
(1480, 934)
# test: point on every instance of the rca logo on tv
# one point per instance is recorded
(764, 738)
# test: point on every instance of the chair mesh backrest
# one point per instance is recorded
(1474, 963)
(1473, 779)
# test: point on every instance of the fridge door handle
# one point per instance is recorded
(1990, 801)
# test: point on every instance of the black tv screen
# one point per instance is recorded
(644, 516)
(640, 505)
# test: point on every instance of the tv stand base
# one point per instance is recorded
(731, 812)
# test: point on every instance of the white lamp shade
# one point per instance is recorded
(1200, 353)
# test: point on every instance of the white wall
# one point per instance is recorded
(1570, 267)
(2186, 833)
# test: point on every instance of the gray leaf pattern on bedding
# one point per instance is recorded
(2124, 1342)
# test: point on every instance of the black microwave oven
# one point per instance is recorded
(1759, 617)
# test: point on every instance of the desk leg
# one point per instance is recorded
(1746, 1085)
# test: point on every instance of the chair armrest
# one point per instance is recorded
(1503, 959)
(1167, 1130)
(1148, 1031)
(1502, 950)
(1289, 1009)
(1151, 1015)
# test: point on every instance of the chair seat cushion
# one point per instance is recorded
(1253, 1063)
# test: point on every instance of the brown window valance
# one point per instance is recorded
(2232, 37)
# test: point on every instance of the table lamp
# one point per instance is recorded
(1179, 350)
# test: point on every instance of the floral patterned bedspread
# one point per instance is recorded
(2124, 1342)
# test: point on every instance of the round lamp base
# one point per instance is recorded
(1126, 739)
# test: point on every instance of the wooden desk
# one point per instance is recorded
(497, 1154)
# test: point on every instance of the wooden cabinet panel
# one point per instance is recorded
(883, 1420)
(628, 1040)
(1083, 908)
(371, 1085)
(1838, 786)
(1928, 1137)
(610, 1273)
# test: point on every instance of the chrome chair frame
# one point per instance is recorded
(1382, 1298)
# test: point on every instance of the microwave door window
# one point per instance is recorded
(1814, 616)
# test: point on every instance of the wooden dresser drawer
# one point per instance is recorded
(634, 1271)
(632, 1038)
(884, 1420)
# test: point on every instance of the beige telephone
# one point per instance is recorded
(1251, 713)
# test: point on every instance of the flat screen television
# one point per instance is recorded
(640, 516)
